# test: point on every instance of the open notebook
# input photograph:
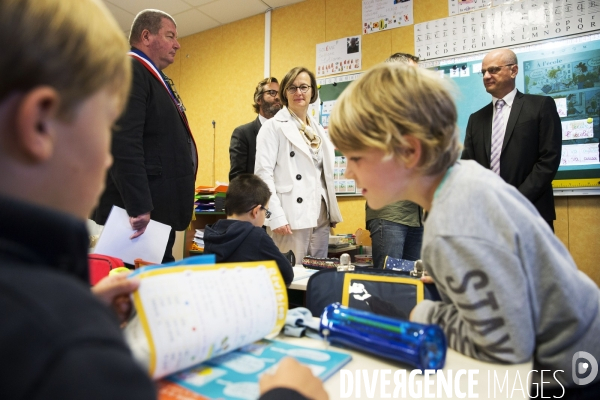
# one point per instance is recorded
(190, 319)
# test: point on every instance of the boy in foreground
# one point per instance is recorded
(510, 290)
(64, 78)
(241, 237)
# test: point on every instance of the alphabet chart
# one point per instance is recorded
(504, 25)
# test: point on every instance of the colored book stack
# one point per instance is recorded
(210, 199)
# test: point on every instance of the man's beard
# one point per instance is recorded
(270, 109)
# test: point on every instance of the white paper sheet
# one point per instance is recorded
(580, 154)
(115, 241)
(577, 129)
(379, 15)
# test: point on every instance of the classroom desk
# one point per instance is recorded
(300, 284)
(482, 383)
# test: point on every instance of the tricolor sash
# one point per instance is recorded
(152, 69)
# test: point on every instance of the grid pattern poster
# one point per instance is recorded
(506, 25)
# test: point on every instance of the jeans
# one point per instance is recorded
(395, 240)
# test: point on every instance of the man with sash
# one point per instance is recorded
(155, 156)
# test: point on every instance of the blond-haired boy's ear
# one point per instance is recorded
(35, 124)
(411, 152)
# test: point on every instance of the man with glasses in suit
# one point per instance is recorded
(242, 148)
(518, 136)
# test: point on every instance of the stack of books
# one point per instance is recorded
(210, 199)
(198, 244)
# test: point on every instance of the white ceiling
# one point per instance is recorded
(193, 16)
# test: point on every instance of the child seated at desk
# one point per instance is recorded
(510, 289)
(241, 237)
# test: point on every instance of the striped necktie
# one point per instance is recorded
(498, 130)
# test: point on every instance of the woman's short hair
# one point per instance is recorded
(289, 79)
(259, 91)
(391, 101)
(74, 46)
(245, 192)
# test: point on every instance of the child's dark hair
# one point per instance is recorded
(245, 192)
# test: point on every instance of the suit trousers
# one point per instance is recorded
(168, 256)
(310, 241)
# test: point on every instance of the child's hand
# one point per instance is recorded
(293, 375)
(114, 291)
(426, 279)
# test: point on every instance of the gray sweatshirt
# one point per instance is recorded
(510, 289)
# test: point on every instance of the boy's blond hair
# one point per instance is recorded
(74, 46)
(393, 100)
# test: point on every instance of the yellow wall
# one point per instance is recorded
(216, 72)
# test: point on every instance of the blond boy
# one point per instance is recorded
(510, 290)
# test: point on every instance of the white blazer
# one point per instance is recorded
(284, 161)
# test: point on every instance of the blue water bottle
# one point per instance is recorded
(421, 346)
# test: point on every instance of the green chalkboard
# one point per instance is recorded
(567, 70)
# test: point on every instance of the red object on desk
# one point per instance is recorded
(170, 391)
(100, 265)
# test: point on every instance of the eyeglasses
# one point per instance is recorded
(494, 70)
(267, 212)
(272, 93)
(303, 89)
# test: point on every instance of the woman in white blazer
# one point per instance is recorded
(295, 158)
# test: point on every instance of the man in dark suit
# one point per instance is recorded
(155, 157)
(517, 135)
(242, 148)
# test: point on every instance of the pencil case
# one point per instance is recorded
(418, 345)
(320, 263)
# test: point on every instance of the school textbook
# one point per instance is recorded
(200, 329)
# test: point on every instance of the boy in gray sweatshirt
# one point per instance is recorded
(510, 290)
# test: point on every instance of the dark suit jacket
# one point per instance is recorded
(242, 149)
(531, 150)
(153, 168)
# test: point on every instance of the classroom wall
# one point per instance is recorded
(216, 72)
